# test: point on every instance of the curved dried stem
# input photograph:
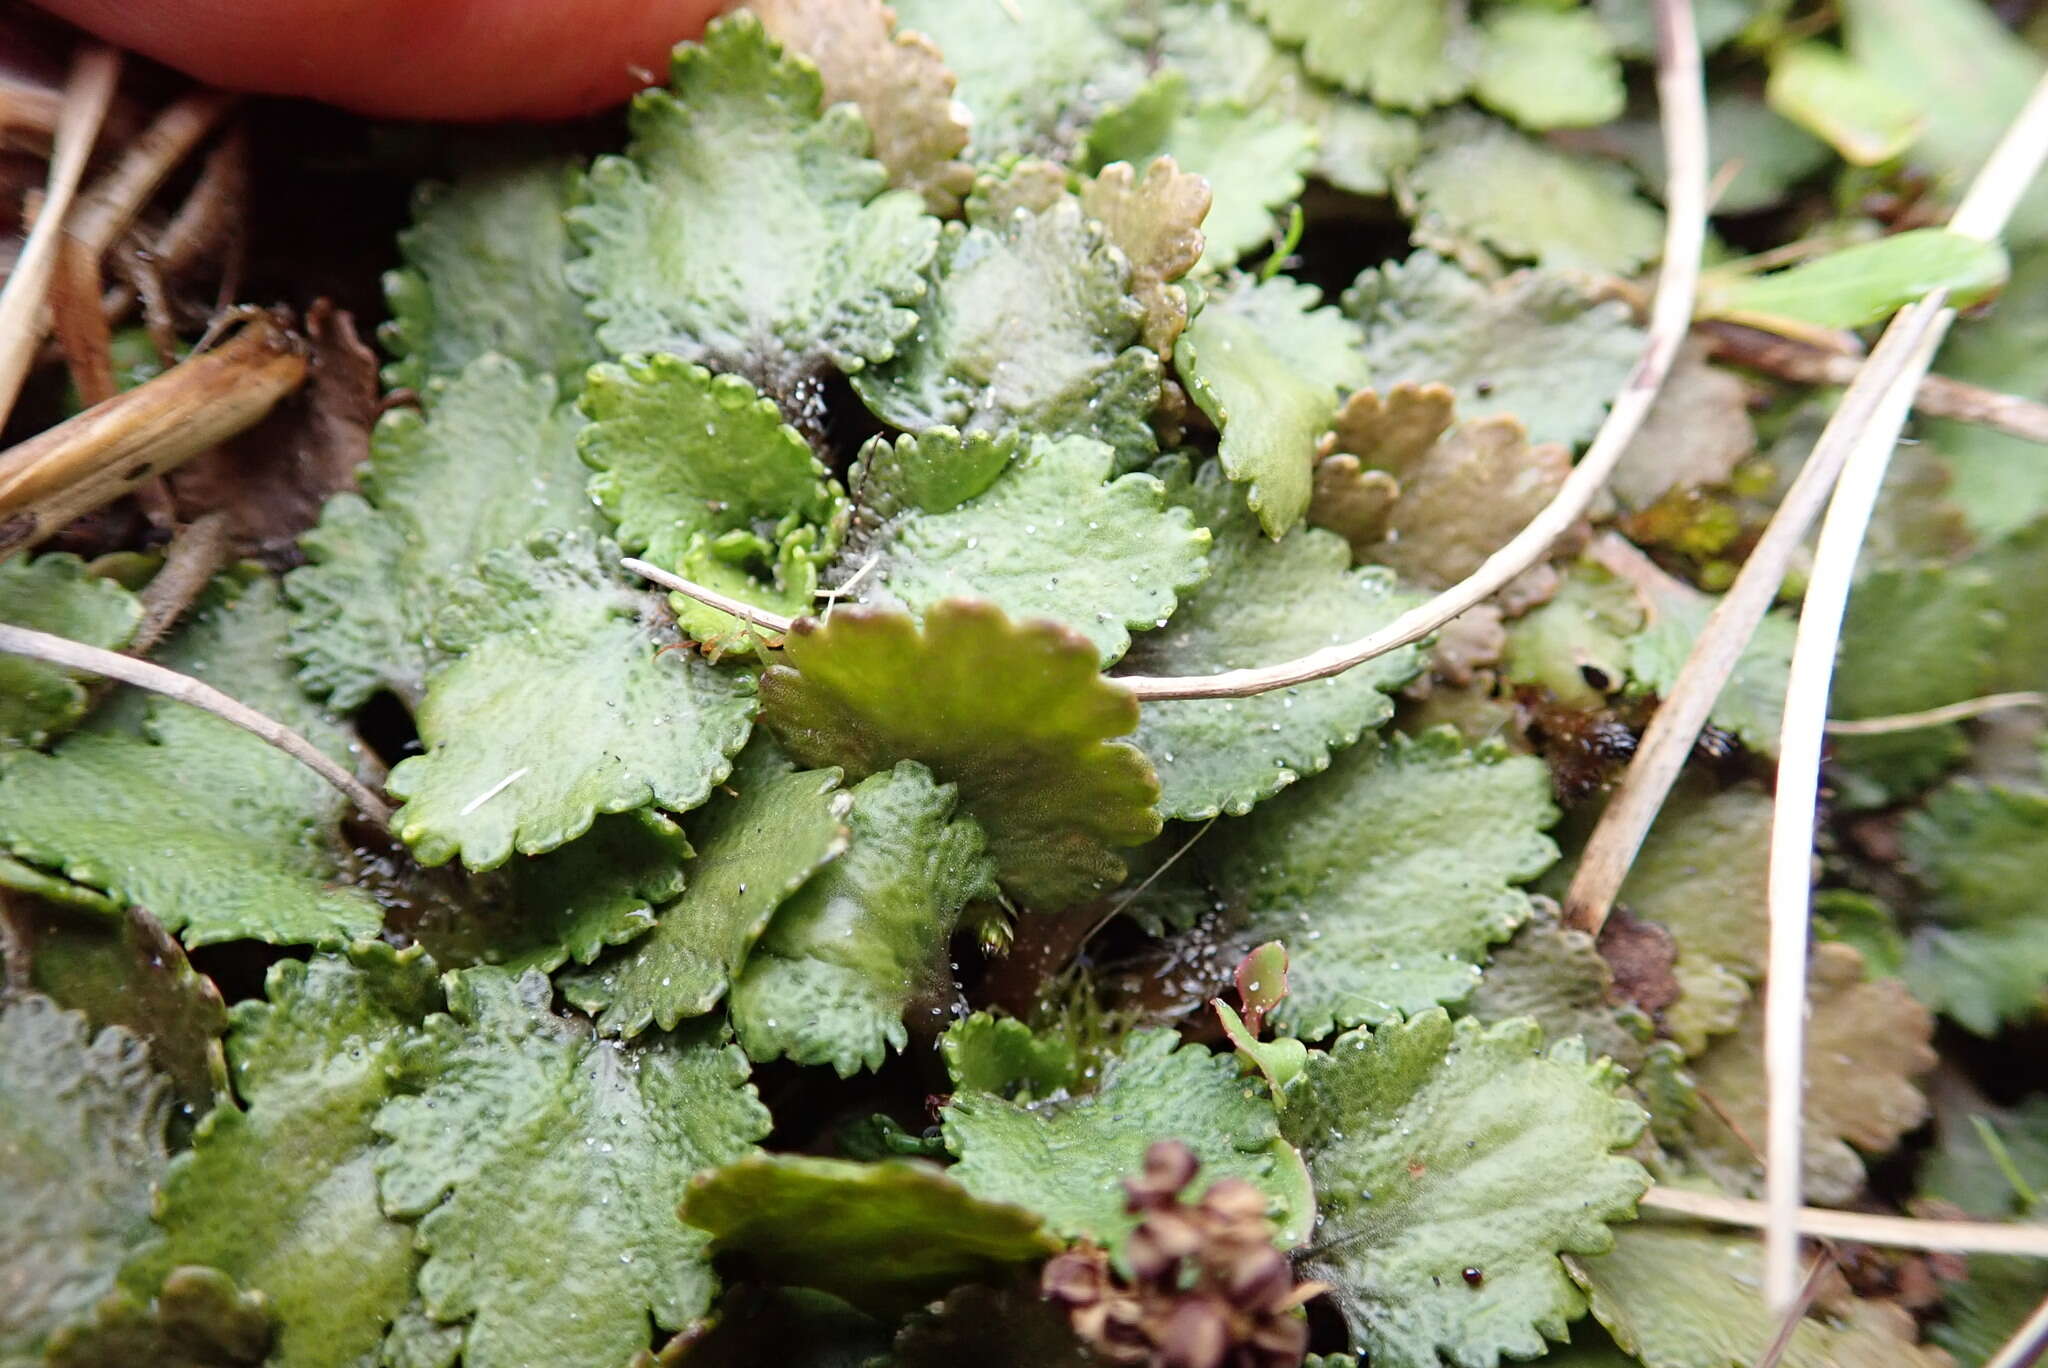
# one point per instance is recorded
(1685, 205)
(76, 655)
(1899, 1232)
(1985, 208)
(1935, 717)
(745, 612)
(86, 96)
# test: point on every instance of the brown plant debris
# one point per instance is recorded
(1155, 220)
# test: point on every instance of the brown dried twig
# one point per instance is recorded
(110, 449)
(1938, 395)
(86, 96)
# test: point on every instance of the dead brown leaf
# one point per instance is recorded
(1156, 222)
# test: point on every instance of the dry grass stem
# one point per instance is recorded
(1898, 1232)
(74, 655)
(1683, 107)
(1938, 396)
(2024, 1348)
(90, 89)
(110, 449)
(1935, 717)
(745, 612)
(1990, 201)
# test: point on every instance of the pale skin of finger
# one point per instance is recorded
(420, 59)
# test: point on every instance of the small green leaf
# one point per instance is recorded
(1266, 365)
(664, 483)
(1914, 639)
(1400, 861)
(1678, 1294)
(1015, 715)
(209, 827)
(492, 461)
(1556, 976)
(55, 594)
(484, 272)
(1263, 601)
(558, 707)
(1842, 101)
(81, 1146)
(1046, 539)
(1549, 68)
(1031, 75)
(844, 957)
(1401, 54)
(543, 1165)
(886, 1237)
(988, 353)
(1253, 158)
(746, 229)
(1981, 955)
(753, 852)
(1540, 345)
(602, 889)
(1066, 1159)
(197, 1319)
(1481, 181)
(1438, 1147)
(1004, 1057)
(1955, 60)
(1863, 284)
(281, 1192)
(1280, 1062)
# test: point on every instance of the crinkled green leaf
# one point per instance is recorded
(932, 472)
(483, 272)
(1046, 539)
(1480, 181)
(1409, 56)
(1253, 158)
(1556, 976)
(1549, 67)
(1015, 715)
(1066, 1158)
(558, 706)
(1958, 62)
(1980, 954)
(1914, 638)
(492, 461)
(1865, 1044)
(1266, 364)
(197, 1319)
(543, 1165)
(602, 889)
(1701, 875)
(1155, 220)
(662, 483)
(281, 1192)
(1540, 345)
(846, 954)
(1227, 54)
(887, 1237)
(210, 828)
(1003, 1056)
(1679, 1294)
(1388, 876)
(1769, 153)
(1961, 1168)
(753, 852)
(1576, 645)
(1029, 324)
(746, 229)
(55, 594)
(1438, 1147)
(81, 1146)
(1263, 601)
(121, 968)
(1822, 89)
(1031, 75)
(1861, 284)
